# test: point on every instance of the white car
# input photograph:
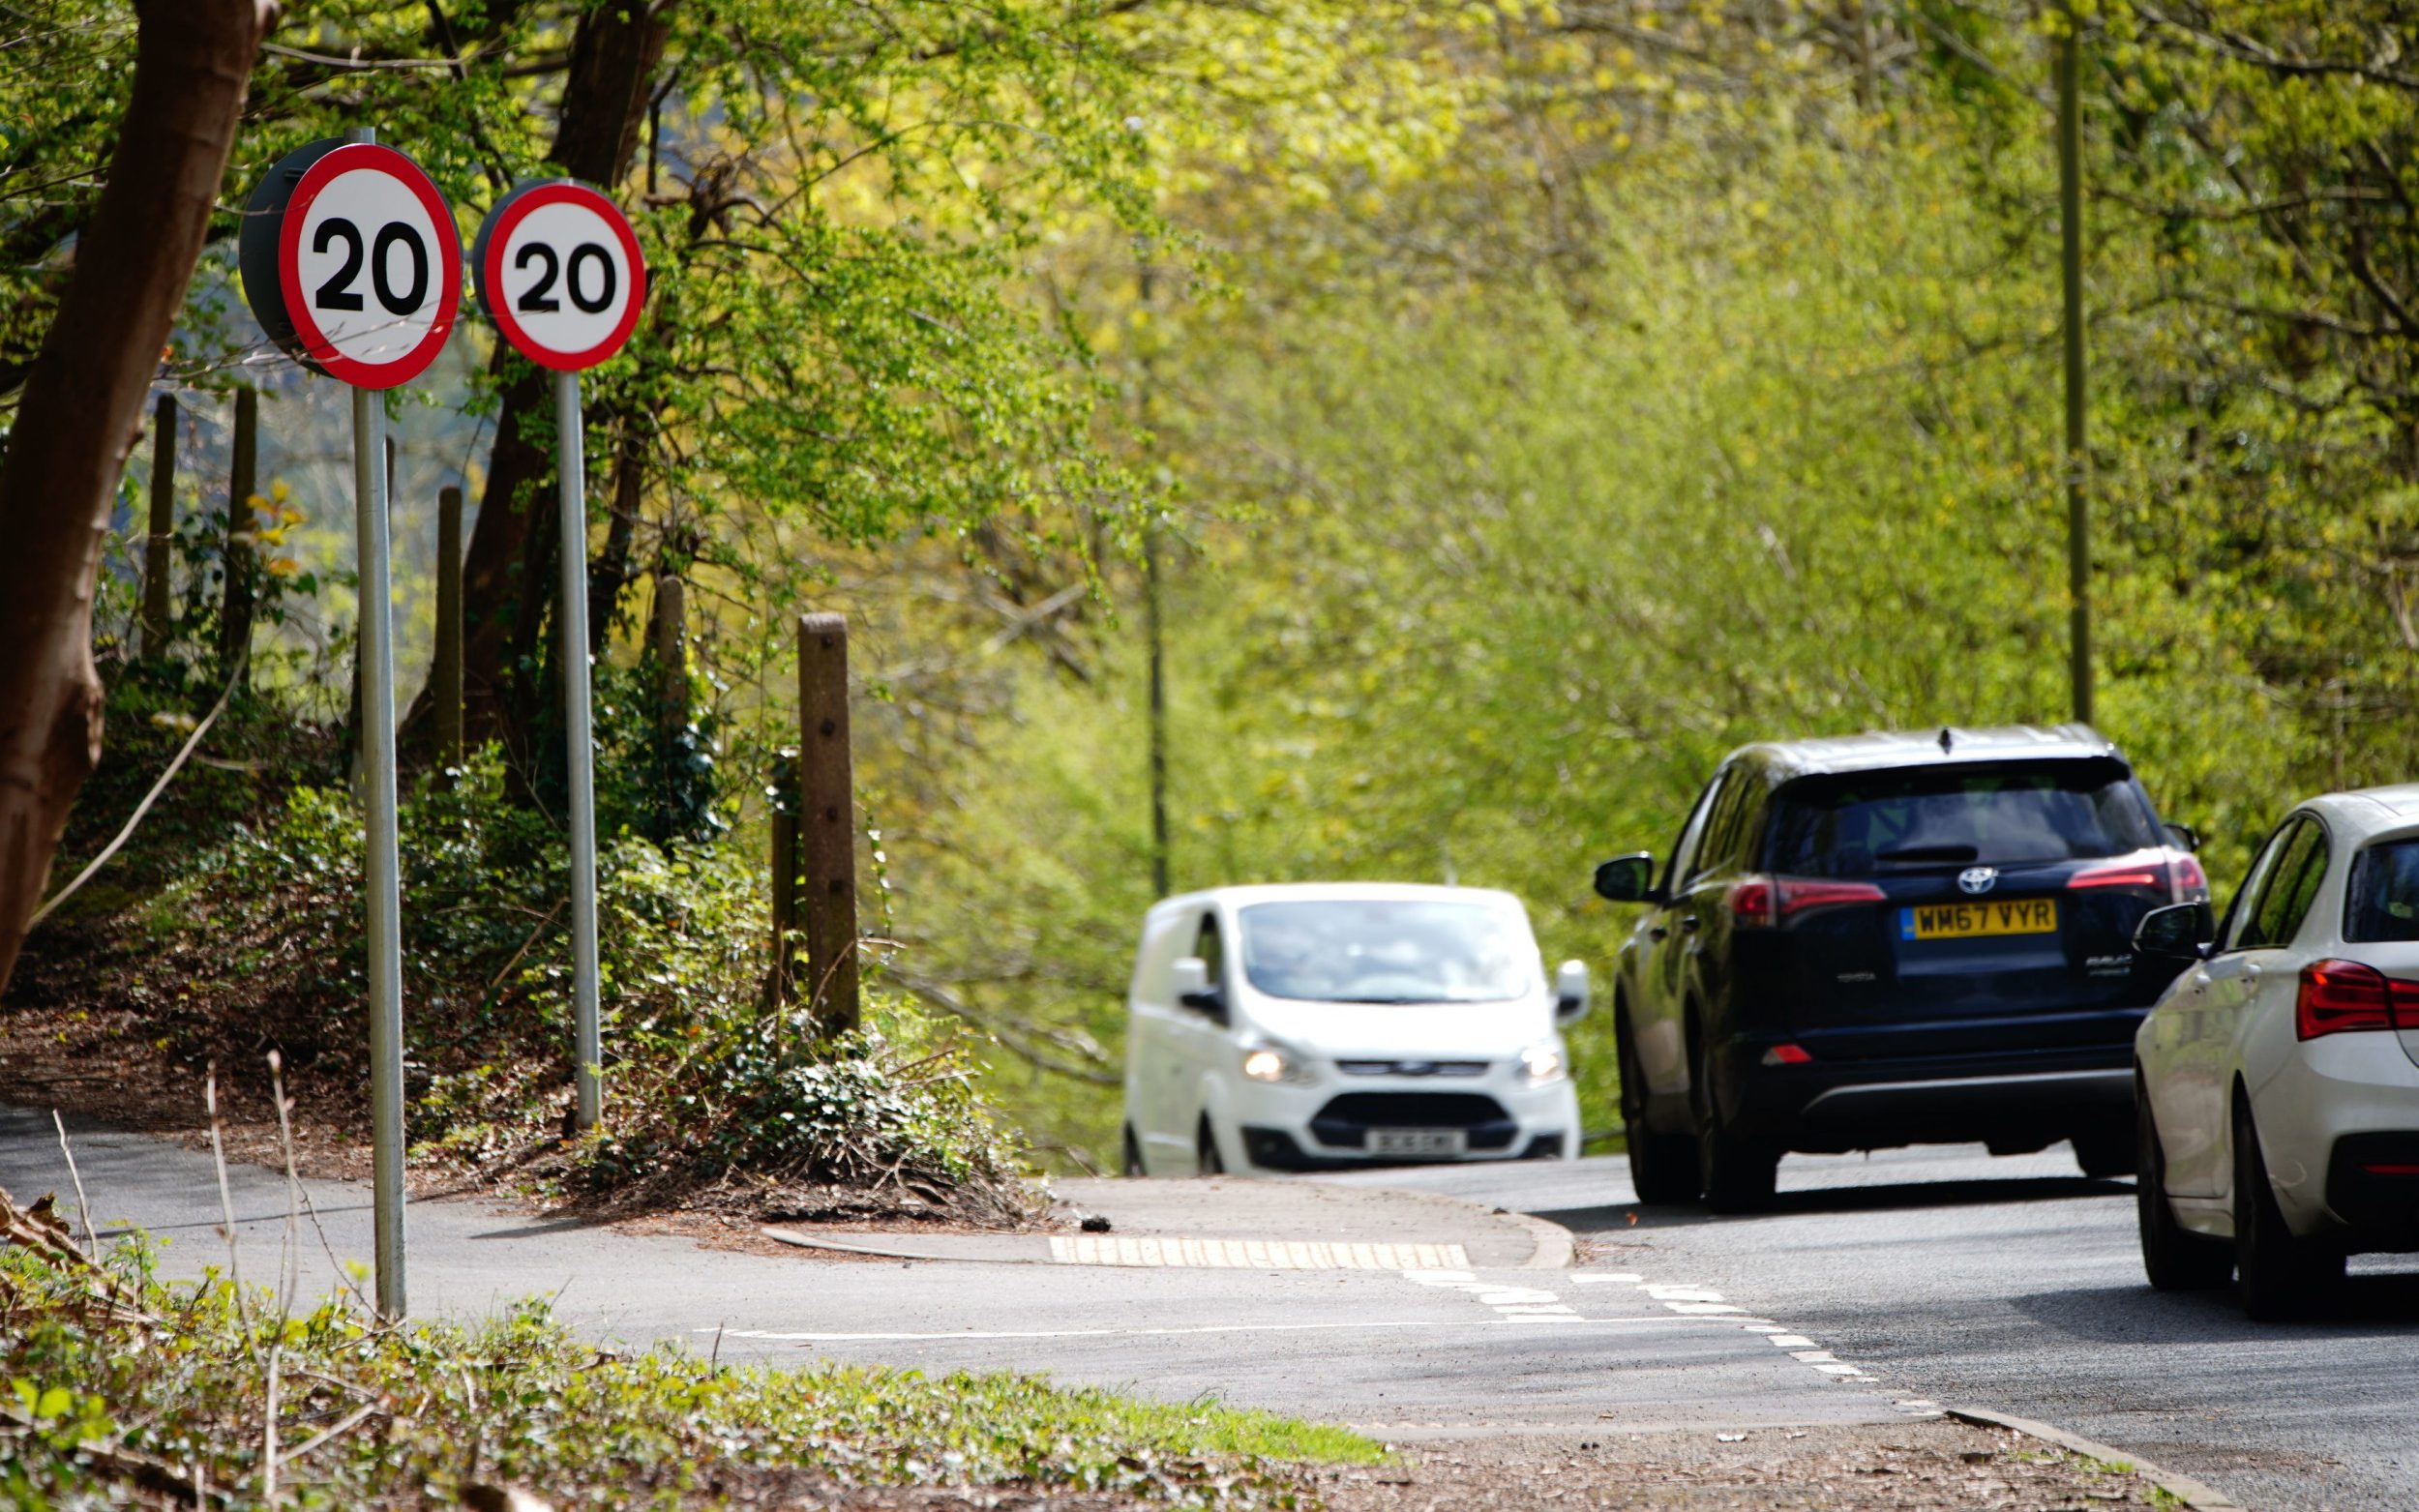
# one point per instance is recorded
(2279, 1075)
(1330, 1025)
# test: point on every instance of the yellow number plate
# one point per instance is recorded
(1974, 920)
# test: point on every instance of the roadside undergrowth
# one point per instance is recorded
(715, 1098)
(121, 1389)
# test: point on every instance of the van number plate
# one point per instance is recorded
(1419, 1141)
(1970, 920)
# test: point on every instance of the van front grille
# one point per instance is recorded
(1411, 1068)
(1345, 1121)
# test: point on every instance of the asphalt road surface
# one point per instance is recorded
(2016, 1284)
(1878, 1288)
(1404, 1353)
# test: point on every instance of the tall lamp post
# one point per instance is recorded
(2076, 459)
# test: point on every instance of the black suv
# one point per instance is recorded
(1890, 939)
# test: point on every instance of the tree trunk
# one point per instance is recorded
(610, 573)
(80, 411)
(615, 53)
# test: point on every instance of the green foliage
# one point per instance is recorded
(864, 1113)
(706, 1083)
(835, 205)
(1514, 508)
(519, 1399)
(1588, 388)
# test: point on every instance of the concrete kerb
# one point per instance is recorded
(2192, 1493)
(1556, 1247)
(1182, 1212)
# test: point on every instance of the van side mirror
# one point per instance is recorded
(2179, 932)
(1627, 879)
(1571, 992)
(1189, 977)
(2184, 836)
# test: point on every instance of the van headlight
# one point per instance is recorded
(1275, 1063)
(1542, 1063)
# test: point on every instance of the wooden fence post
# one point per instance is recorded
(241, 557)
(669, 632)
(160, 538)
(780, 986)
(827, 823)
(445, 676)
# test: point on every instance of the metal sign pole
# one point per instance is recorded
(385, 874)
(571, 471)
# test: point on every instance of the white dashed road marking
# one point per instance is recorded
(1514, 1304)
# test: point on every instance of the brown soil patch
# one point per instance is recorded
(1935, 1465)
(96, 1065)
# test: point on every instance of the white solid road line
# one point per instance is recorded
(1086, 1249)
(1438, 1324)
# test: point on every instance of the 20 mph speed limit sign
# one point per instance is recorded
(352, 262)
(560, 273)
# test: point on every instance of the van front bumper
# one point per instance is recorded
(1333, 1126)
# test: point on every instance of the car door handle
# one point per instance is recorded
(2200, 979)
(1658, 932)
(2250, 968)
(1687, 924)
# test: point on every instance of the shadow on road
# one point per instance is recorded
(1878, 1198)
(2366, 1306)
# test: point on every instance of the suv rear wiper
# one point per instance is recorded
(1930, 853)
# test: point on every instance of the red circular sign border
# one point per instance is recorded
(537, 197)
(346, 159)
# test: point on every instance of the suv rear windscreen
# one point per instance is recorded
(2382, 901)
(1871, 823)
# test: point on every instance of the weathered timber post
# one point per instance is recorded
(779, 988)
(445, 675)
(241, 556)
(158, 542)
(827, 823)
(669, 632)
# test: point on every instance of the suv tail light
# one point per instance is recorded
(2340, 997)
(2172, 874)
(1762, 903)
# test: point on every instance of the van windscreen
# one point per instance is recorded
(1871, 823)
(1386, 951)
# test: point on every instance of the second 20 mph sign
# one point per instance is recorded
(560, 273)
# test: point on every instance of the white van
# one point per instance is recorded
(1329, 1026)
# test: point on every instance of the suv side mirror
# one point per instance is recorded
(2184, 836)
(1190, 979)
(1571, 992)
(1627, 879)
(2179, 932)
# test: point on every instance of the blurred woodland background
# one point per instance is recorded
(1495, 411)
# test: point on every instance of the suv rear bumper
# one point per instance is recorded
(2009, 1103)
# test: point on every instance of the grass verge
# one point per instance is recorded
(122, 1389)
